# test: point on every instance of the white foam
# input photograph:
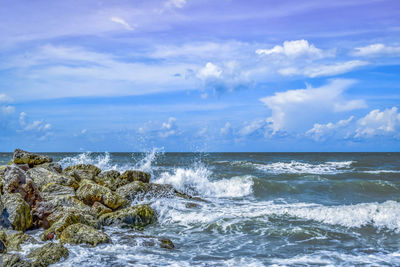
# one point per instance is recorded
(196, 180)
(382, 171)
(303, 167)
(103, 161)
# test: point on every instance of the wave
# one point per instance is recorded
(103, 161)
(196, 180)
(382, 171)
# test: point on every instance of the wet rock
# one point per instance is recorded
(82, 171)
(19, 212)
(90, 192)
(48, 254)
(136, 216)
(62, 218)
(166, 243)
(13, 260)
(99, 209)
(139, 191)
(51, 166)
(82, 234)
(14, 241)
(43, 177)
(109, 179)
(24, 157)
(134, 175)
(14, 176)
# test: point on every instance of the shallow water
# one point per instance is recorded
(261, 209)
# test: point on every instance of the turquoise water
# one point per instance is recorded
(260, 209)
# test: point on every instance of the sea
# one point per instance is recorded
(255, 209)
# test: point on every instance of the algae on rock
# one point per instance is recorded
(80, 233)
(135, 216)
(48, 254)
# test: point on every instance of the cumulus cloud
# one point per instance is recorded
(169, 128)
(379, 123)
(5, 99)
(295, 48)
(376, 50)
(122, 22)
(258, 127)
(209, 71)
(37, 125)
(7, 109)
(321, 131)
(296, 109)
(226, 129)
(324, 70)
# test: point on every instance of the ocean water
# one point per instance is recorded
(258, 209)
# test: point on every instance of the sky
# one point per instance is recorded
(200, 75)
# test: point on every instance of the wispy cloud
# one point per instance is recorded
(295, 48)
(122, 22)
(376, 50)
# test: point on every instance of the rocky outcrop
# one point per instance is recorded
(48, 254)
(24, 157)
(82, 171)
(135, 175)
(43, 177)
(99, 209)
(14, 260)
(136, 216)
(90, 192)
(19, 212)
(51, 166)
(82, 234)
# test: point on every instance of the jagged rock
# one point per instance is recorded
(64, 217)
(136, 216)
(79, 233)
(24, 167)
(24, 157)
(40, 213)
(52, 190)
(14, 260)
(109, 179)
(139, 191)
(51, 166)
(99, 209)
(19, 212)
(48, 254)
(14, 241)
(90, 192)
(134, 175)
(43, 177)
(82, 171)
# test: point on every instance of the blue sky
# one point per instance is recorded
(189, 75)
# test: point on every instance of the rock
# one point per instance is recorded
(62, 218)
(13, 260)
(24, 157)
(51, 166)
(52, 190)
(166, 243)
(40, 213)
(99, 209)
(139, 191)
(109, 179)
(134, 175)
(3, 248)
(82, 171)
(43, 177)
(14, 241)
(14, 176)
(48, 254)
(136, 216)
(24, 167)
(79, 233)
(90, 192)
(19, 212)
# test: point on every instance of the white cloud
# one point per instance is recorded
(257, 126)
(379, 123)
(226, 129)
(84, 131)
(293, 49)
(175, 3)
(321, 131)
(296, 109)
(122, 22)
(8, 109)
(324, 70)
(38, 125)
(169, 128)
(209, 71)
(5, 99)
(376, 50)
